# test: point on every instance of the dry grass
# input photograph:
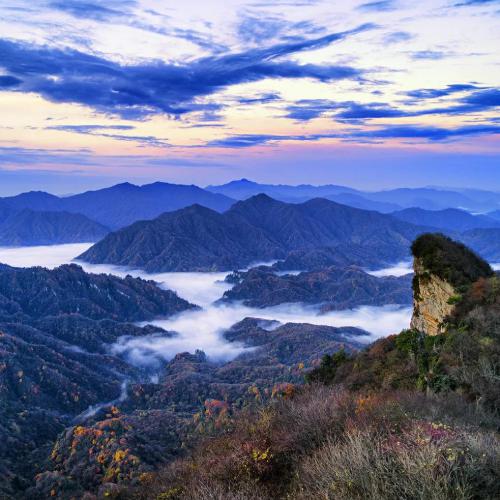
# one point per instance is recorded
(326, 443)
(361, 467)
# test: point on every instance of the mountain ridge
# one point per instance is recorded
(452, 219)
(257, 229)
(122, 204)
(333, 288)
(25, 227)
(389, 200)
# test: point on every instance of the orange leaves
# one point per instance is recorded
(215, 407)
(365, 404)
(284, 390)
(80, 431)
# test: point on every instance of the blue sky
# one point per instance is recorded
(369, 94)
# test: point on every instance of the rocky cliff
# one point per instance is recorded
(444, 270)
(432, 300)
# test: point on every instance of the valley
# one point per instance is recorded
(231, 346)
(201, 329)
(195, 312)
(249, 250)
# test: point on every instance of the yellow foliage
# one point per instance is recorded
(260, 456)
(171, 493)
(79, 431)
(146, 477)
(364, 404)
(120, 455)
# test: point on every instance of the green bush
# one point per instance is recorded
(450, 260)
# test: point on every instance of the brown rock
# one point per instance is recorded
(431, 299)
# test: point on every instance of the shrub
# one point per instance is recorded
(426, 461)
(326, 442)
(326, 371)
(450, 260)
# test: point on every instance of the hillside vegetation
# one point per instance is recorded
(412, 416)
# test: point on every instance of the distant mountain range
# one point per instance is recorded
(486, 242)
(243, 189)
(451, 219)
(383, 201)
(37, 218)
(307, 236)
(123, 204)
(25, 227)
(257, 229)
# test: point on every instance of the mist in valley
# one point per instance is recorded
(203, 328)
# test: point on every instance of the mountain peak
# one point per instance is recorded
(124, 185)
(444, 270)
(449, 260)
(260, 200)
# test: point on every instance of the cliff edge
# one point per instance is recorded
(444, 270)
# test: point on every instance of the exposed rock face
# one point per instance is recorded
(444, 271)
(430, 300)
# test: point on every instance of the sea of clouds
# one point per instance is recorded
(203, 328)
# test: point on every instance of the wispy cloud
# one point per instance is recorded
(386, 132)
(257, 28)
(308, 109)
(100, 131)
(434, 55)
(36, 156)
(426, 133)
(378, 6)
(95, 10)
(260, 99)
(474, 102)
(89, 129)
(472, 3)
(443, 92)
(135, 91)
(398, 37)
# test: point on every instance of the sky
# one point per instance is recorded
(372, 94)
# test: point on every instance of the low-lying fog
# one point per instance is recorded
(399, 269)
(202, 329)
